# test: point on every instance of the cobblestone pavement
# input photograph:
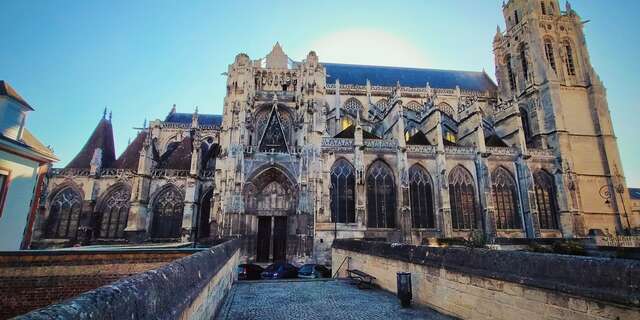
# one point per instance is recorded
(323, 299)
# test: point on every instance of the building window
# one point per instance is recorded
(506, 199)
(546, 200)
(462, 199)
(64, 214)
(381, 196)
(571, 67)
(543, 8)
(343, 189)
(167, 214)
(523, 60)
(114, 212)
(548, 51)
(526, 129)
(516, 17)
(510, 74)
(4, 188)
(421, 196)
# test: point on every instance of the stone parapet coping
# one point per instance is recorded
(606, 279)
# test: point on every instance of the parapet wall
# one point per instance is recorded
(34, 279)
(491, 284)
(191, 287)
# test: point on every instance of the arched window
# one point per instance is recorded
(421, 196)
(506, 199)
(352, 105)
(382, 104)
(571, 67)
(462, 199)
(343, 187)
(543, 8)
(64, 214)
(546, 200)
(510, 74)
(114, 212)
(524, 61)
(413, 105)
(167, 214)
(548, 51)
(524, 117)
(206, 202)
(381, 196)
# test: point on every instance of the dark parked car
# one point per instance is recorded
(280, 270)
(249, 271)
(313, 271)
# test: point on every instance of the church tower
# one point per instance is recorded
(544, 72)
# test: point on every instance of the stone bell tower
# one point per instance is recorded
(543, 68)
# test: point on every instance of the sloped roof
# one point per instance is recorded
(7, 90)
(131, 155)
(494, 141)
(634, 193)
(180, 158)
(102, 137)
(350, 133)
(408, 77)
(418, 139)
(203, 119)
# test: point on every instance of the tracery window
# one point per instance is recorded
(353, 105)
(543, 8)
(167, 214)
(524, 61)
(506, 199)
(421, 196)
(275, 135)
(571, 67)
(64, 214)
(524, 117)
(546, 200)
(381, 196)
(114, 212)
(343, 181)
(510, 74)
(462, 199)
(548, 50)
(382, 104)
(446, 109)
(414, 105)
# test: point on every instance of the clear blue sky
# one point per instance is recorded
(70, 59)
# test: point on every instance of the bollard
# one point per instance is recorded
(404, 288)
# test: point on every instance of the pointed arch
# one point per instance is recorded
(505, 197)
(549, 53)
(343, 192)
(206, 203)
(353, 105)
(274, 137)
(510, 73)
(464, 210)
(112, 212)
(421, 197)
(382, 104)
(545, 191)
(413, 105)
(569, 57)
(167, 208)
(381, 196)
(63, 219)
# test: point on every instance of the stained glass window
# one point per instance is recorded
(64, 214)
(462, 199)
(381, 196)
(352, 105)
(546, 200)
(114, 212)
(343, 181)
(167, 214)
(421, 196)
(505, 200)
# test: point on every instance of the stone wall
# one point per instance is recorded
(490, 284)
(191, 287)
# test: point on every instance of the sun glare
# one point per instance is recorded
(368, 46)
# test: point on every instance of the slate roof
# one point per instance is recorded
(131, 155)
(634, 193)
(180, 158)
(203, 119)
(418, 139)
(7, 90)
(494, 141)
(350, 133)
(102, 137)
(408, 77)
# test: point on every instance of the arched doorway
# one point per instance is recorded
(271, 197)
(204, 230)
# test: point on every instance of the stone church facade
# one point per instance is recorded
(306, 152)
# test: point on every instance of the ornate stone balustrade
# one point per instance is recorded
(113, 172)
(421, 149)
(541, 153)
(381, 144)
(504, 151)
(207, 174)
(618, 241)
(337, 144)
(382, 89)
(160, 173)
(459, 150)
(71, 172)
(173, 125)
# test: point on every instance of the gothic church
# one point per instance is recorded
(307, 151)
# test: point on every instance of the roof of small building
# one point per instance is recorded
(203, 119)
(634, 193)
(7, 90)
(102, 137)
(131, 155)
(408, 77)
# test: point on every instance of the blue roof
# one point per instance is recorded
(634, 193)
(408, 77)
(203, 119)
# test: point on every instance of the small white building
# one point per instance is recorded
(24, 162)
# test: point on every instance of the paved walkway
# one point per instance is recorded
(319, 299)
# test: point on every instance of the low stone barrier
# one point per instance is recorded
(192, 287)
(491, 284)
